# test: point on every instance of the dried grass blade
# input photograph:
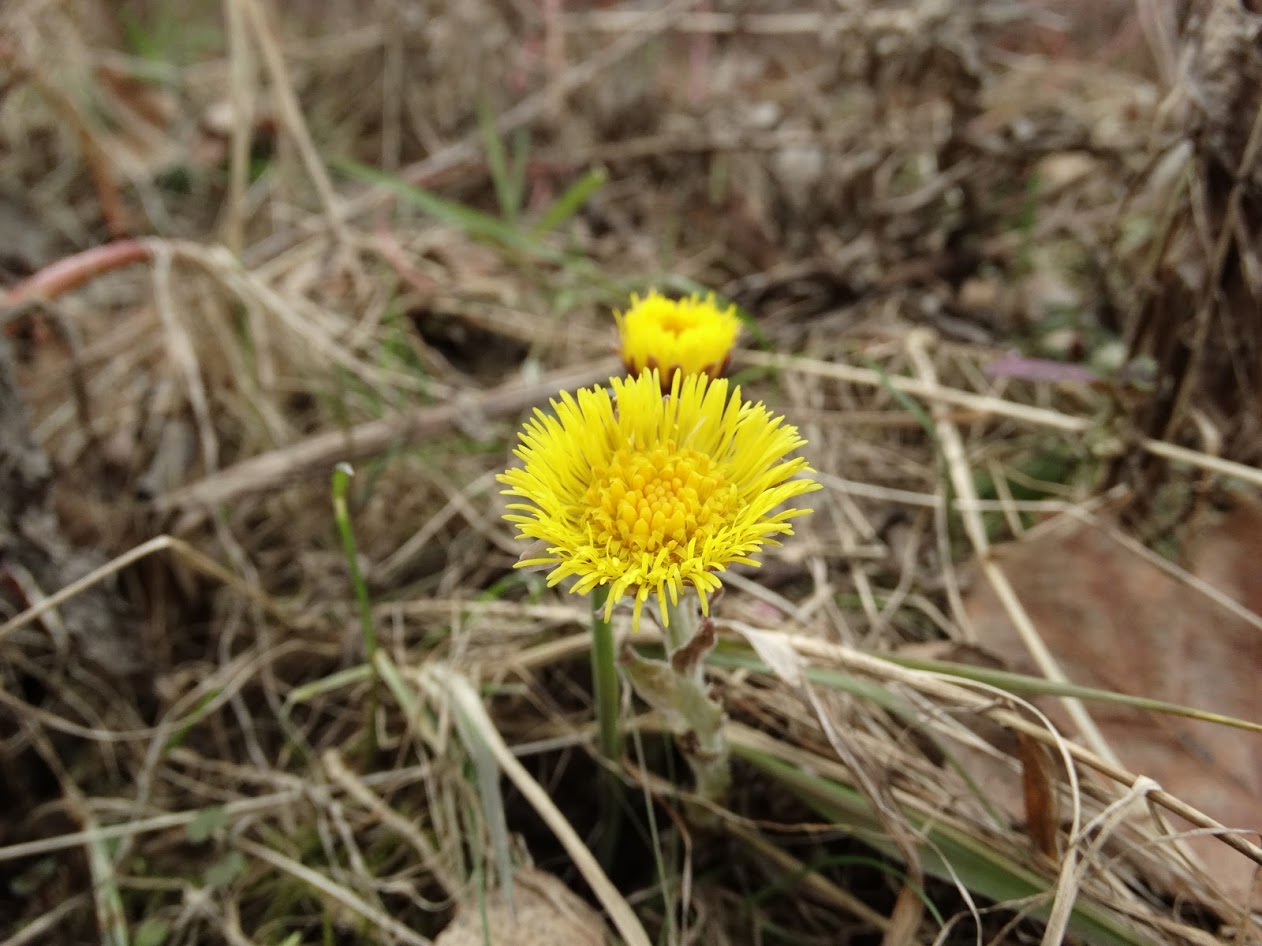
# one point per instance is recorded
(335, 892)
(947, 852)
(466, 702)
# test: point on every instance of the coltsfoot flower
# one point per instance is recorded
(648, 494)
(692, 336)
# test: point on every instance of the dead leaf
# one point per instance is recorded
(776, 652)
(1116, 621)
(1037, 782)
(547, 914)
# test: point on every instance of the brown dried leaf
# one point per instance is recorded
(1038, 783)
(1118, 622)
(547, 914)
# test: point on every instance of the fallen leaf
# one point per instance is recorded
(1037, 781)
(544, 912)
(1116, 621)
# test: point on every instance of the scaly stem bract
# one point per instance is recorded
(691, 638)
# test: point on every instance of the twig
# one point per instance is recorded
(317, 455)
(189, 555)
(998, 407)
(864, 21)
(240, 75)
(73, 271)
(291, 115)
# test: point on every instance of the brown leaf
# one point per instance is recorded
(1038, 783)
(544, 913)
(1116, 621)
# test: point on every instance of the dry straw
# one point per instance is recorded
(288, 360)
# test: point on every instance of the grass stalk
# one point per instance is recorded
(342, 474)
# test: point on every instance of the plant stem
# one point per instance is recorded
(342, 474)
(606, 696)
(605, 678)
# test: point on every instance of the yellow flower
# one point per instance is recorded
(648, 493)
(691, 335)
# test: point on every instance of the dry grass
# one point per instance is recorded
(346, 232)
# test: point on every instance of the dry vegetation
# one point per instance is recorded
(246, 241)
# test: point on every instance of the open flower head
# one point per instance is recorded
(648, 494)
(692, 336)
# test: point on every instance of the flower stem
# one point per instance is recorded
(605, 678)
(606, 697)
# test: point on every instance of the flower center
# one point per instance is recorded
(655, 501)
(678, 322)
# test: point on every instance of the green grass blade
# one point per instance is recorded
(508, 181)
(568, 204)
(388, 672)
(947, 853)
(473, 222)
(333, 682)
(487, 773)
(342, 474)
(737, 656)
(1038, 686)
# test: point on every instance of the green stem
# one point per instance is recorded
(341, 513)
(342, 474)
(608, 703)
(605, 678)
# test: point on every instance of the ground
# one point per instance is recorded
(281, 283)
